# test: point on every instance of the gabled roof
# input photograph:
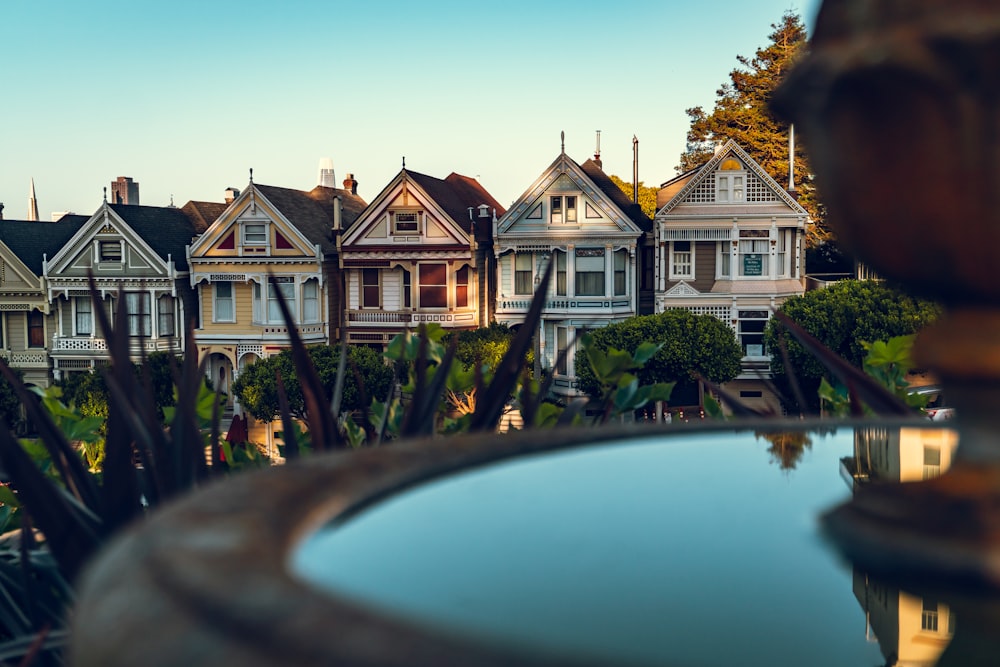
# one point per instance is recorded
(615, 194)
(203, 213)
(312, 212)
(696, 177)
(167, 230)
(456, 194)
(593, 182)
(31, 240)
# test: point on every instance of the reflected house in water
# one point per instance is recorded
(910, 630)
(899, 454)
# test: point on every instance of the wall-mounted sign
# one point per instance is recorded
(753, 265)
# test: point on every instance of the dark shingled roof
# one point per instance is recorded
(166, 229)
(615, 194)
(312, 212)
(456, 194)
(203, 213)
(31, 240)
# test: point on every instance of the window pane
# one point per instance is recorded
(462, 287)
(433, 280)
(165, 311)
(590, 283)
(620, 273)
(310, 301)
(561, 363)
(370, 288)
(560, 273)
(407, 289)
(36, 329)
(570, 209)
(84, 316)
(522, 273)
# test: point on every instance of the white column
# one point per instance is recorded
(570, 271)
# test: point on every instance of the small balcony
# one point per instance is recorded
(613, 306)
(86, 346)
(381, 319)
(37, 358)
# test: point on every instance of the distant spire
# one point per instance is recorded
(32, 203)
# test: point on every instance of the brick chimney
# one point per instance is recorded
(232, 194)
(350, 184)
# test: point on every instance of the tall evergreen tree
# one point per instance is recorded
(742, 113)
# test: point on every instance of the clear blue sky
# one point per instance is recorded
(185, 96)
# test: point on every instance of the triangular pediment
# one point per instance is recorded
(252, 227)
(564, 200)
(15, 276)
(731, 178)
(404, 214)
(107, 247)
(682, 289)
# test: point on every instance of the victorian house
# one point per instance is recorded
(266, 232)
(138, 249)
(575, 217)
(730, 242)
(27, 322)
(420, 253)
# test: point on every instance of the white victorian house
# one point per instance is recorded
(575, 216)
(139, 249)
(730, 242)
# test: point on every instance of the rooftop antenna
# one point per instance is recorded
(562, 141)
(791, 158)
(635, 169)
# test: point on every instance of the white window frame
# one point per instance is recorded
(421, 285)
(751, 314)
(556, 211)
(529, 258)
(578, 274)
(750, 244)
(310, 300)
(681, 267)
(784, 252)
(139, 313)
(254, 237)
(272, 309)
(624, 255)
(77, 312)
(362, 285)
(467, 285)
(165, 319)
(416, 222)
(730, 186)
(102, 244)
(724, 261)
(561, 258)
(217, 300)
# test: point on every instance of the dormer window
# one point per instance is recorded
(109, 251)
(730, 182)
(562, 209)
(254, 233)
(406, 222)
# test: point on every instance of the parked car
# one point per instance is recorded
(937, 408)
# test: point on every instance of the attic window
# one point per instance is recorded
(406, 222)
(109, 251)
(255, 234)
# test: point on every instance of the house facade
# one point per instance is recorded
(139, 249)
(265, 231)
(730, 242)
(421, 252)
(575, 217)
(27, 322)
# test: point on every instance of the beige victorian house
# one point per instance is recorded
(266, 231)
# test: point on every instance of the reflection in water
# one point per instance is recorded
(910, 630)
(787, 448)
(894, 454)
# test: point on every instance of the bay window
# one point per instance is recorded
(138, 307)
(223, 309)
(84, 315)
(753, 254)
(165, 316)
(285, 286)
(621, 273)
(522, 273)
(462, 287)
(433, 285)
(370, 289)
(590, 272)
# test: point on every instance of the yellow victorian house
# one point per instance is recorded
(267, 231)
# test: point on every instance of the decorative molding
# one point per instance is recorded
(682, 289)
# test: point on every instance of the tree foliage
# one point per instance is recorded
(647, 194)
(257, 387)
(844, 317)
(10, 405)
(742, 113)
(487, 345)
(692, 344)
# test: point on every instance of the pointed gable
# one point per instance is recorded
(166, 230)
(417, 209)
(568, 197)
(731, 182)
(31, 242)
